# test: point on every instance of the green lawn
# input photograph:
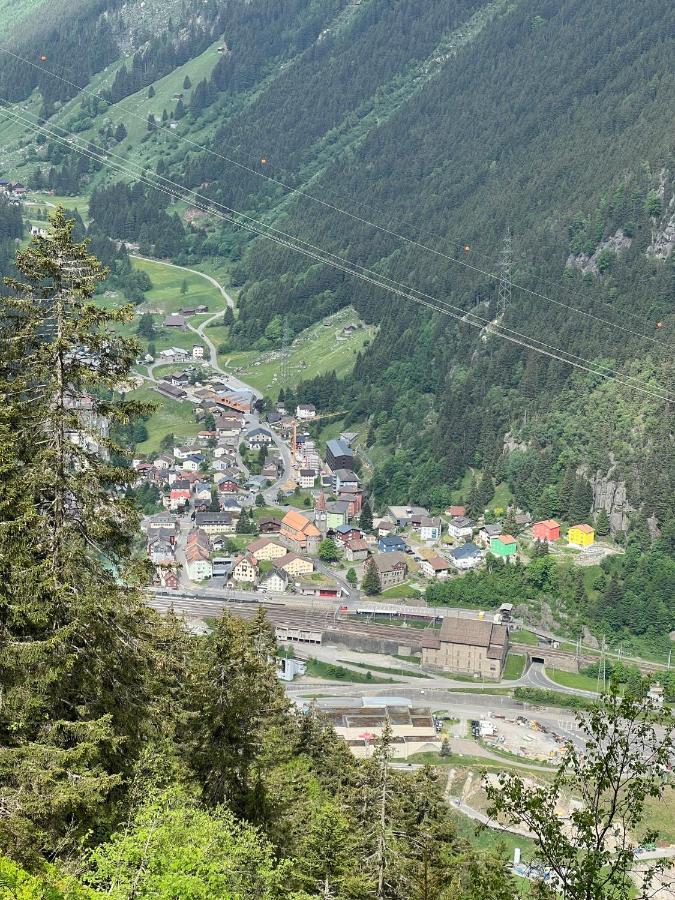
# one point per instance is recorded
(573, 679)
(400, 591)
(515, 666)
(316, 350)
(387, 670)
(502, 498)
(318, 669)
(524, 637)
(169, 416)
(260, 512)
(80, 203)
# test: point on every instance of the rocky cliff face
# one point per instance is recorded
(610, 494)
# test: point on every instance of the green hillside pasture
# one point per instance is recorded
(169, 416)
(165, 295)
(320, 348)
(134, 110)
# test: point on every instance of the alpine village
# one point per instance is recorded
(337, 450)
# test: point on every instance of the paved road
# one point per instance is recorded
(538, 678)
(236, 383)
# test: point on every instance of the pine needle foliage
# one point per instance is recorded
(73, 630)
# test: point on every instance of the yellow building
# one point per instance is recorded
(581, 535)
(267, 548)
(295, 565)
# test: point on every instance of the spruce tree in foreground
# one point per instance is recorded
(73, 631)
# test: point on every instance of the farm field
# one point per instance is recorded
(165, 295)
(321, 348)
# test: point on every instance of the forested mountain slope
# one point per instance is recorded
(445, 123)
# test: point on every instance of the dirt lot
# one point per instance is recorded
(526, 738)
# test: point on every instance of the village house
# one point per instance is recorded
(245, 569)
(227, 486)
(345, 533)
(167, 577)
(467, 556)
(339, 455)
(460, 528)
(203, 491)
(354, 504)
(214, 523)
(161, 552)
(174, 321)
(269, 472)
(276, 580)
(185, 451)
(163, 461)
(306, 478)
(402, 516)
(337, 513)
(455, 510)
(258, 438)
(504, 546)
(269, 525)
(467, 646)
(168, 390)
(197, 351)
(391, 567)
(435, 567)
(229, 505)
(430, 528)
(356, 549)
(192, 463)
(383, 527)
(295, 565)
(179, 497)
(266, 548)
(581, 535)
(392, 543)
(161, 521)
(305, 411)
(299, 533)
(547, 530)
(346, 480)
(487, 532)
(197, 563)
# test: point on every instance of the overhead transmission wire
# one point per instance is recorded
(256, 171)
(349, 267)
(352, 215)
(369, 275)
(99, 155)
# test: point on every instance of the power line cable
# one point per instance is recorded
(365, 274)
(297, 191)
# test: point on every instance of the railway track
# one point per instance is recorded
(315, 620)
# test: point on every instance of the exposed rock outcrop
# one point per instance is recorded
(618, 243)
(611, 495)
